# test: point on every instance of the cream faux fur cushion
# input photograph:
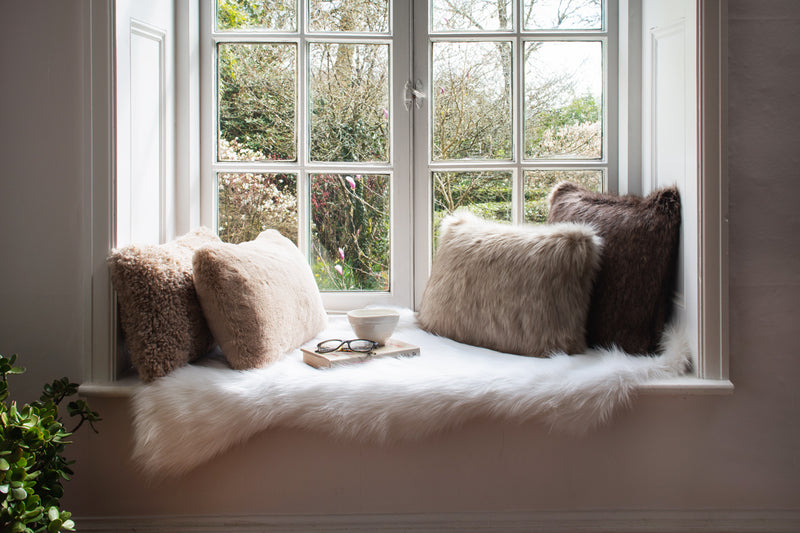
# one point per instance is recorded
(259, 298)
(515, 289)
(159, 313)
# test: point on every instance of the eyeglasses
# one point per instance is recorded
(354, 345)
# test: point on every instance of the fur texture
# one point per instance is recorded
(632, 295)
(259, 298)
(160, 316)
(198, 412)
(517, 289)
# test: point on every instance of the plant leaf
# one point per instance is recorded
(52, 513)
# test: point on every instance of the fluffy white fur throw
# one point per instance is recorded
(197, 412)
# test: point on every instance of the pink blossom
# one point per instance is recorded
(351, 182)
(338, 268)
(341, 254)
(441, 89)
(385, 113)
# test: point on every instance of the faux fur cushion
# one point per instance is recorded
(516, 289)
(259, 298)
(159, 313)
(632, 296)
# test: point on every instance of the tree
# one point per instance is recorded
(349, 102)
(257, 99)
(472, 102)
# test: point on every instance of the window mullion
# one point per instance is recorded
(208, 115)
(518, 122)
(423, 129)
(301, 131)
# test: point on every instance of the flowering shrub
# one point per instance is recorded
(350, 231)
(257, 97)
(573, 141)
(349, 216)
(249, 203)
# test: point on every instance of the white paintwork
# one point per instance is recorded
(630, 97)
(187, 116)
(141, 190)
(145, 121)
(100, 359)
(669, 118)
(126, 387)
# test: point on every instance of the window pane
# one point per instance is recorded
(539, 184)
(349, 15)
(251, 203)
(257, 102)
(472, 100)
(487, 194)
(471, 15)
(350, 231)
(561, 15)
(563, 100)
(349, 102)
(263, 15)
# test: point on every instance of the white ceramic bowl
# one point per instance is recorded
(373, 324)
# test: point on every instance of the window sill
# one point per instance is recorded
(682, 386)
(688, 385)
(122, 388)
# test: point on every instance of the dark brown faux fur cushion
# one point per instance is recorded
(633, 292)
(517, 289)
(159, 312)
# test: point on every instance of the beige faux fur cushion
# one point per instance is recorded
(516, 289)
(259, 298)
(160, 316)
(633, 291)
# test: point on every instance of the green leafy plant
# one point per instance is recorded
(32, 464)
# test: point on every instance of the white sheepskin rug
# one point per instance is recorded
(197, 412)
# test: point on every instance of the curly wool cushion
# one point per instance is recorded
(632, 296)
(259, 297)
(160, 315)
(515, 289)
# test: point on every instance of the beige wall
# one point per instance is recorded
(44, 241)
(734, 452)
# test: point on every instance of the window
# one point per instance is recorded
(313, 121)
(415, 57)
(311, 137)
(519, 99)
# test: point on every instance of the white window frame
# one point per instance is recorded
(424, 163)
(101, 365)
(398, 168)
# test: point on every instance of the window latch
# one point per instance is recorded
(413, 93)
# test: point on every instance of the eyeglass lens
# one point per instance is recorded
(355, 345)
